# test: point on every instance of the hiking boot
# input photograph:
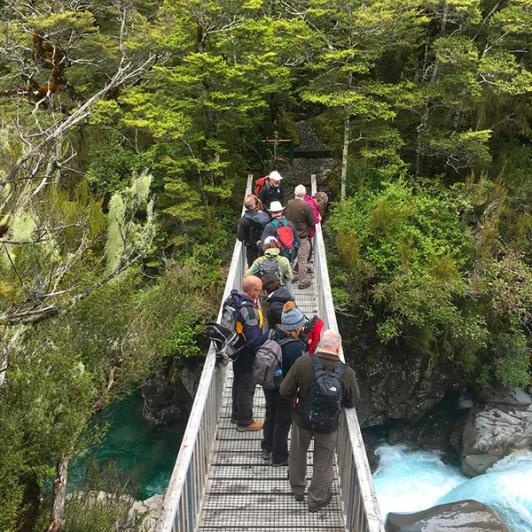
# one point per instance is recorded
(254, 425)
(266, 455)
(318, 506)
(299, 496)
(302, 286)
(280, 464)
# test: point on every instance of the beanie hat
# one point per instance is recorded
(292, 318)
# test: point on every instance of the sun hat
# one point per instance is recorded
(275, 175)
(292, 319)
(275, 206)
(271, 240)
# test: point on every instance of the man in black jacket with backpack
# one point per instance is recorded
(313, 417)
(250, 227)
(272, 189)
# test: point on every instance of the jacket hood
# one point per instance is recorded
(239, 297)
(280, 295)
(272, 252)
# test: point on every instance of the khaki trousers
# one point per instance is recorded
(324, 449)
(303, 256)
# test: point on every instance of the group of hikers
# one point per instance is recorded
(278, 238)
(273, 344)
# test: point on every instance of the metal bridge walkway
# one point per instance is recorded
(243, 491)
(220, 481)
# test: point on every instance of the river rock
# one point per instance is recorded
(396, 388)
(167, 401)
(491, 434)
(464, 516)
(146, 513)
(512, 399)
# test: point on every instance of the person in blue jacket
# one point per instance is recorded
(243, 381)
(278, 411)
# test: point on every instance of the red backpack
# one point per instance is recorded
(259, 184)
(285, 236)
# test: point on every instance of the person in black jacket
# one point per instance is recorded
(277, 296)
(272, 189)
(251, 226)
(278, 410)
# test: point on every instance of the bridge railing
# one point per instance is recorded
(360, 504)
(184, 495)
(183, 498)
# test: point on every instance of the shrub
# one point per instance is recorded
(411, 269)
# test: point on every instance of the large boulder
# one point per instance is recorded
(167, 401)
(491, 434)
(464, 516)
(146, 513)
(396, 387)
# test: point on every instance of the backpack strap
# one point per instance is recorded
(340, 369)
(285, 341)
(316, 365)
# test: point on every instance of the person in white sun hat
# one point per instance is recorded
(272, 190)
(283, 230)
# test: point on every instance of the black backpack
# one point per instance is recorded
(257, 222)
(323, 403)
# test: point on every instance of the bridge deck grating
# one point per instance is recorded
(243, 491)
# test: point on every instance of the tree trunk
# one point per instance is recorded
(60, 484)
(345, 153)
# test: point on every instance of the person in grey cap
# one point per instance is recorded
(297, 384)
(278, 410)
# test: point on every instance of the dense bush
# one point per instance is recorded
(412, 271)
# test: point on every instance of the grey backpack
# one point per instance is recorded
(268, 365)
(270, 266)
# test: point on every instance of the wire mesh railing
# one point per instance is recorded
(184, 496)
(358, 495)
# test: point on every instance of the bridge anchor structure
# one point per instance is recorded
(220, 481)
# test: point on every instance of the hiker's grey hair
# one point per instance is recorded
(330, 341)
(300, 191)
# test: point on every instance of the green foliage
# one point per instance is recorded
(183, 340)
(153, 177)
(413, 258)
(511, 365)
(85, 512)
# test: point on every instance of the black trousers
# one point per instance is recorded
(276, 426)
(243, 392)
(252, 253)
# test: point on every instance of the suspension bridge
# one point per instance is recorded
(221, 483)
